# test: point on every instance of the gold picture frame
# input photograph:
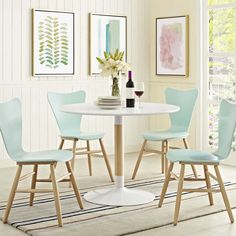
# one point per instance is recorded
(172, 46)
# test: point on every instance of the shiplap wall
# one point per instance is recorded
(39, 127)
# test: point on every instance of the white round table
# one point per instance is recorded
(119, 195)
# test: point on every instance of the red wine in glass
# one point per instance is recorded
(139, 93)
(139, 90)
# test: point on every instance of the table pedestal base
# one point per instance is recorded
(119, 197)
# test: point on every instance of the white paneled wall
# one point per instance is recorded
(39, 127)
(158, 84)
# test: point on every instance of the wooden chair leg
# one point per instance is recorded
(192, 166)
(61, 144)
(89, 158)
(208, 184)
(56, 195)
(55, 165)
(185, 143)
(33, 184)
(166, 183)
(165, 156)
(162, 157)
(106, 160)
(139, 159)
(60, 147)
(12, 194)
(74, 154)
(224, 194)
(74, 184)
(179, 194)
(194, 171)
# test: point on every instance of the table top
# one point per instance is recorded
(147, 109)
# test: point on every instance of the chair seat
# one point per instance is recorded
(82, 135)
(44, 156)
(164, 135)
(188, 155)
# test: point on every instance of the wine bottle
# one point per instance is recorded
(130, 101)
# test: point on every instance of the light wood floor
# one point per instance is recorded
(216, 225)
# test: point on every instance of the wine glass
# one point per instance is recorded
(139, 90)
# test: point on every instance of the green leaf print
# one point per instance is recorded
(53, 42)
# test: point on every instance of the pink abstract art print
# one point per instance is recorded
(171, 46)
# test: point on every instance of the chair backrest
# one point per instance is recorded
(185, 99)
(11, 127)
(66, 121)
(226, 128)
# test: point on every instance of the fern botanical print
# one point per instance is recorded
(53, 41)
(64, 45)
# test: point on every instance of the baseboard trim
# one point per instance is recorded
(229, 163)
(7, 163)
(127, 149)
(110, 150)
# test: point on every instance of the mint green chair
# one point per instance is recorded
(226, 128)
(69, 126)
(11, 130)
(185, 100)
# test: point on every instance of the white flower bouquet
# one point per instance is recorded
(113, 65)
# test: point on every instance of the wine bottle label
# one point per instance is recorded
(129, 93)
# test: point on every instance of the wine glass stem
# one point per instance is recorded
(139, 102)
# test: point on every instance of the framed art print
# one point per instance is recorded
(107, 33)
(53, 43)
(172, 42)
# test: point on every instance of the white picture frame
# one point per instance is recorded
(107, 33)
